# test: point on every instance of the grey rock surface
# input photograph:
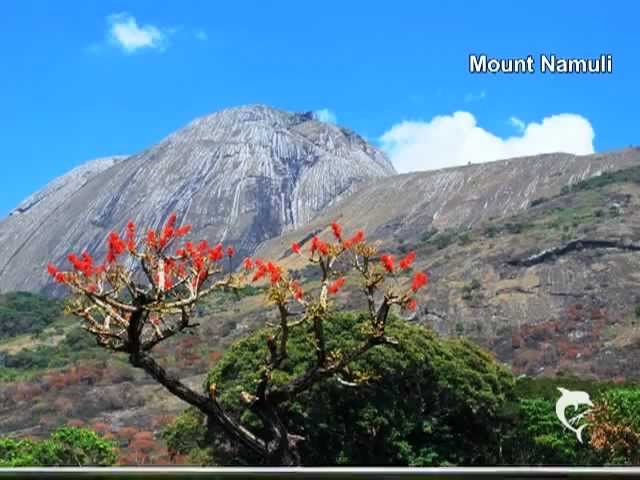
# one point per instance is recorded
(242, 176)
(406, 206)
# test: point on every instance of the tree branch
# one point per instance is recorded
(205, 404)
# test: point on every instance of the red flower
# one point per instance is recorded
(247, 264)
(357, 237)
(354, 240)
(131, 236)
(231, 252)
(183, 230)
(295, 247)
(116, 247)
(57, 275)
(314, 244)
(406, 262)
(152, 238)
(387, 262)
(336, 285)
(181, 271)
(337, 230)
(169, 265)
(420, 279)
(215, 253)
(171, 222)
(198, 263)
(73, 259)
(275, 271)
(51, 269)
(84, 265)
(411, 304)
(166, 235)
(203, 247)
(319, 245)
(298, 292)
(262, 269)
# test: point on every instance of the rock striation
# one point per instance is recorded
(242, 175)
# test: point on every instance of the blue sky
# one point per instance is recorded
(82, 80)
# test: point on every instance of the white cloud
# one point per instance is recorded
(201, 35)
(325, 115)
(519, 124)
(125, 33)
(472, 97)
(453, 140)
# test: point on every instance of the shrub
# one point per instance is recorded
(67, 446)
(615, 426)
(538, 438)
(538, 201)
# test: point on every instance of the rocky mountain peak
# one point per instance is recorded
(241, 175)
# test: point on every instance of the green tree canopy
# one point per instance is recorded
(426, 401)
(67, 446)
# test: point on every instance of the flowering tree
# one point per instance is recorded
(146, 289)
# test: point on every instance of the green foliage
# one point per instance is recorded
(16, 453)
(67, 446)
(77, 345)
(626, 175)
(431, 232)
(224, 299)
(616, 426)
(186, 434)
(546, 388)
(538, 438)
(23, 312)
(491, 231)
(444, 239)
(469, 290)
(516, 228)
(512, 228)
(429, 401)
(465, 239)
(447, 237)
(624, 405)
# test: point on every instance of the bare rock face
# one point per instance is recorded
(242, 176)
(407, 206)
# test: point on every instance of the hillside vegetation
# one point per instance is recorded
(24, 312)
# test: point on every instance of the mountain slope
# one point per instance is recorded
(406, 206)
(546, 275)
(242, 175)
